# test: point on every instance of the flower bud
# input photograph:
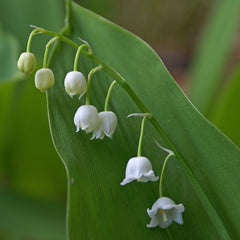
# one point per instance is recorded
(44, 79)
(106, 126)
(26, 62)
(75, 83)
(86, 118)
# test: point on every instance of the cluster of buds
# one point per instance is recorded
(86, 117)
(44, 77)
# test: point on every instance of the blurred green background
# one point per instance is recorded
(197, 40)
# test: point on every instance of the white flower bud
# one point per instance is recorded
(44, 79)
(75, 83)
(26, 62)
(140, 169)
(106, 126)
(86, 118)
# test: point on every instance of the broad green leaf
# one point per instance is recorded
(29, 163)
(16, 16)
(25, 218)
(5, 99)
(226, 113)
(9, 49)
(204, 176)
(24, 137)
(213, 52)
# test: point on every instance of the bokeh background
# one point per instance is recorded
(188, 35)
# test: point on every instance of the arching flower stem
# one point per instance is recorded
(169, 234)
(78, 54)
(162, 173)
(139, 153)
(96, 69)
(108, 95)
(46, 51)
(34, 32)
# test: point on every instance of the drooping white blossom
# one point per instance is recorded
(44, 79)
(140, 169)
(26, 62)
(86, 118)
(106, 125)
(164, 211)
(75, 83)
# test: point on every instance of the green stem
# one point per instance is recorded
(192, 178)
(141, 137)
(68, 12)
(108, 95)
(169, 234)
(96, 69)
(46, 51)
(30, 39)
(78, 54)
(162, 173)
(67, 31)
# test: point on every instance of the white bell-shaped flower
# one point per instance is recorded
(26, 62)
(164, 211)
(86, 118)
(106, 125)
(75, 83)
(44, 79)
(140, 169)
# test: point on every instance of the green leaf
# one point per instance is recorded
(204, 176)
(213, 52)
(16, 16)
(25, 141)
(25, 218)
(27, 156)
(225, 112)
(9, 49)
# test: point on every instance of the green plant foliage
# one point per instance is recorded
(5, 97)
(213, 53)
(28, 161)
(9, 49)
(226, 113)
(204, 176)
(24, 218)
(18, 15)
(27, 156)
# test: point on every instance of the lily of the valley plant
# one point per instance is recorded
(87, 118)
